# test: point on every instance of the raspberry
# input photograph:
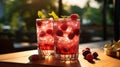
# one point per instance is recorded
(74, 16)
(65, 49)
(49, 31)
(95, 54)
(89, 57)
(71, 36)
(87, 49)
(59, 33)
(85, 53)
(42, 34)
(39, 23)
(34, 57)
(64, 26)
(76, 31)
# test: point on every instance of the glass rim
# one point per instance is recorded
(44, 19)
(52, 19)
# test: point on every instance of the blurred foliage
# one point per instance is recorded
(110, 8)
(14, 21)
(21, 14)
(17, 11)
(26, 11)
(1, 25)
(94, 15)
(77, 10)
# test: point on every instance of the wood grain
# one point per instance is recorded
(21, 58)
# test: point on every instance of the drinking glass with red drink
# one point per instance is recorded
(66, 37)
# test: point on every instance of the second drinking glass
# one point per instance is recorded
(45, 38)
(66, 36)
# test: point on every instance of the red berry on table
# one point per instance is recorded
(34, 57)
(59, 33)
(95, 54)
(42, 33)
(87, 49)
(39, 23)
(76, 31)
(89, 57)
(50, 31)
(71, 35)
(64, 26)
(74, 16)
(85, 53)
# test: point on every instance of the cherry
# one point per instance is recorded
(65, 49)
(76, 31)
(64, 26)
(85, 53)
(87, 49)
(74, 16)
(71, 35)
(34, 57)
(89, 57)
(42, 34)
(39, 23)
(95, 54)
(50, 31)
(59, 33)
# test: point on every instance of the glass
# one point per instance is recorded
(45, 38)
(66, 35)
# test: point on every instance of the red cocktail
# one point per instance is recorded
(66, 35)
(45, 38)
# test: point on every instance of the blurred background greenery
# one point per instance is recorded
(17, 18)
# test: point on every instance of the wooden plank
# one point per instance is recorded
(8, 64)
(17, 54)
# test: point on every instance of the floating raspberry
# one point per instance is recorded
(95, 54)
(42, 34)
(64, 26)
(65, 49)
(59, 33)
(89, 57)
(50, 31)
(39, 23)
(76, 31)
(71, 35)
(74, 16)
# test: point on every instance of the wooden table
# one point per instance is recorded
(20, 59)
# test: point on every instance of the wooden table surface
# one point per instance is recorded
(20, 59)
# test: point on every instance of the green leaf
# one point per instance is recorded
(53, 15)
(41, 15)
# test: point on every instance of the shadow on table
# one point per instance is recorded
(10, 64)
(51, 61)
